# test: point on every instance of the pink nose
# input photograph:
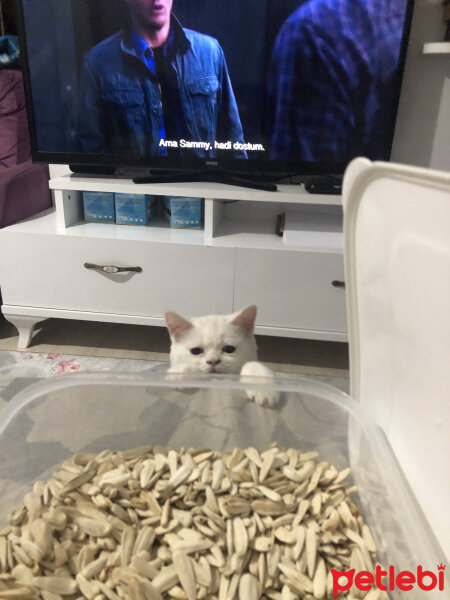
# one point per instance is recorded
(213, 363)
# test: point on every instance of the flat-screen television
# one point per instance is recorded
(240, 86)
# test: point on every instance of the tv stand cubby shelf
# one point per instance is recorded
(235, 261)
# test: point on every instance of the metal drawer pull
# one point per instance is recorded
(338, 284)
(112, 268)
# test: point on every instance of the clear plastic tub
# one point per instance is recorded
(54, 419)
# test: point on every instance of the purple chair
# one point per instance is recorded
(24, 187)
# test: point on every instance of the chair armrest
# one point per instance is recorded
(24, 191)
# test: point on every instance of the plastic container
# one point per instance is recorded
(56, 418)
(397, 265)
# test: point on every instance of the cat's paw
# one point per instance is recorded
(256, 372)
(268, 398)
(175, 373)
(174, 376)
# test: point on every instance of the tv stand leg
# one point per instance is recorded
(25, 326)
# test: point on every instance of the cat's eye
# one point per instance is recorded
(228, 349)
(196, 351)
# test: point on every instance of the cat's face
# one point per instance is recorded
(212, 344)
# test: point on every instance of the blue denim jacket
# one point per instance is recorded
(120, 100)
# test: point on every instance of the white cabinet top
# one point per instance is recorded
(290, 193)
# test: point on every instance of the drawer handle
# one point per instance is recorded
(338, 284)
(112, 268)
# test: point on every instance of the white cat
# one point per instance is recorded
(220, 344)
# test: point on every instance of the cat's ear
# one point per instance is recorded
(177, 325)
(245, 319)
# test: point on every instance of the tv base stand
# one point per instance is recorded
(209, 177)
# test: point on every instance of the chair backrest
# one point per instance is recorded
(14, 133)
(397, 253)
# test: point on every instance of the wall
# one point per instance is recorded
(422, 135)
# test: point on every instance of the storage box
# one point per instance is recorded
(398, 298)
(99, 207)
(133, 209)
(183, 212)
(52, 420)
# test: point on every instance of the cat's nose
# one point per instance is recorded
(213, 363)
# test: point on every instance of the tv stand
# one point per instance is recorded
(141, 272)
(209, 177)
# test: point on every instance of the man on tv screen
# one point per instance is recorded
(156, 88)
(334, 76)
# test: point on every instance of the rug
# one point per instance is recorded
(18, 370)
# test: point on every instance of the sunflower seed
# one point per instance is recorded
(300, 533)
(311, 550)
(299, 582)
(186, 524)
(254, 456)
(342, 475)
(22, 574)
(21, 593)
(186, 573)
(285, 536)
(146, 472)
(64, 586)
(3, 554)
(320, 580)
(189, 547)
(249, 587)
(179, 476)
(217, 474)
(109, 593)
(77, 481)
(94, 527)
(166, 578)
(269, 508)
(267, 463)
(240, 537)
(263, 544)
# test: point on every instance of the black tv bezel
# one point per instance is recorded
(110, 163)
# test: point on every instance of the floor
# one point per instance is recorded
(112, 340)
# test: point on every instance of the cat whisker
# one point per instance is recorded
(208, 369)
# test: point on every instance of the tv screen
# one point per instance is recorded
(284, 86)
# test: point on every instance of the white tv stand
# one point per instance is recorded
(235, 261)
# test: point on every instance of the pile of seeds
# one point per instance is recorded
(152, 523)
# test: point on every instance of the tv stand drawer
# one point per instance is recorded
(293, 290)
(49, 271)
